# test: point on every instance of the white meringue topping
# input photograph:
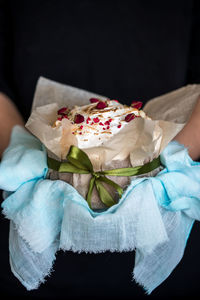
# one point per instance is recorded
(99, 125)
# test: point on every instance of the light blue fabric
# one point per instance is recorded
(154, 216)
(24, 160)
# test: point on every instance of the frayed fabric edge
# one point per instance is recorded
(24, 283)
(141, 284)
(44, 275)
(89, 251)
(22, 235)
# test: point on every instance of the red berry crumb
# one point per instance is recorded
(119, 126)
(88, 119)
(94, 100)
(96, 120)
(81, 127)
(115, 100)
(101, 123)
(78, 119)
(65, 116)
(104, 128)
(62, 110)
(129, 117)
(107, 123)
(60, 118)
(108, 127)
(101, 105)
(136, 104)
(80, 132)
(110, 120)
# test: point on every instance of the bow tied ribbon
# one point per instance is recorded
(78, 162)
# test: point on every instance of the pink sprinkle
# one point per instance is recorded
(119, 126)
(62, 110)
(129, 117)
(101, 105)
(96, 120)
(94, 100)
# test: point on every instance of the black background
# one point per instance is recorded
(126, 50)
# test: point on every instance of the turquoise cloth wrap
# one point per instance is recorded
(154, 216)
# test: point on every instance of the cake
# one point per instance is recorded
(94, 125)
(97, 122)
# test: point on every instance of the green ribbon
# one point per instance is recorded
(79, 162)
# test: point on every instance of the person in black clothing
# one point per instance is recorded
(126, 50)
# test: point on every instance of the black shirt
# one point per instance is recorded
(126, 50)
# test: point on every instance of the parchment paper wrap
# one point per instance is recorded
(139, 142)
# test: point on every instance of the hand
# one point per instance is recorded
(9, 117)
(189, 136)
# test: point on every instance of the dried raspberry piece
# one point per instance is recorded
(78, 119)
(107, 123)
(115, 100)
(101, 105)
(119, 126)
(81, 127)
(96, 120)
(65, 116)
(110, 120)
(129, 117)
(88, 119)
(60, 119)
(136, 104)
(62, 110)
(108, 127)
(104, 128)
(80, 132)
(94, 100)
(101, 123)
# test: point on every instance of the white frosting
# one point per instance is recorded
(91, 134)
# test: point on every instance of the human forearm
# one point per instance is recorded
(189, 136)
(9, 117)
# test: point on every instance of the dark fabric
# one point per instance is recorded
(126, 50)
